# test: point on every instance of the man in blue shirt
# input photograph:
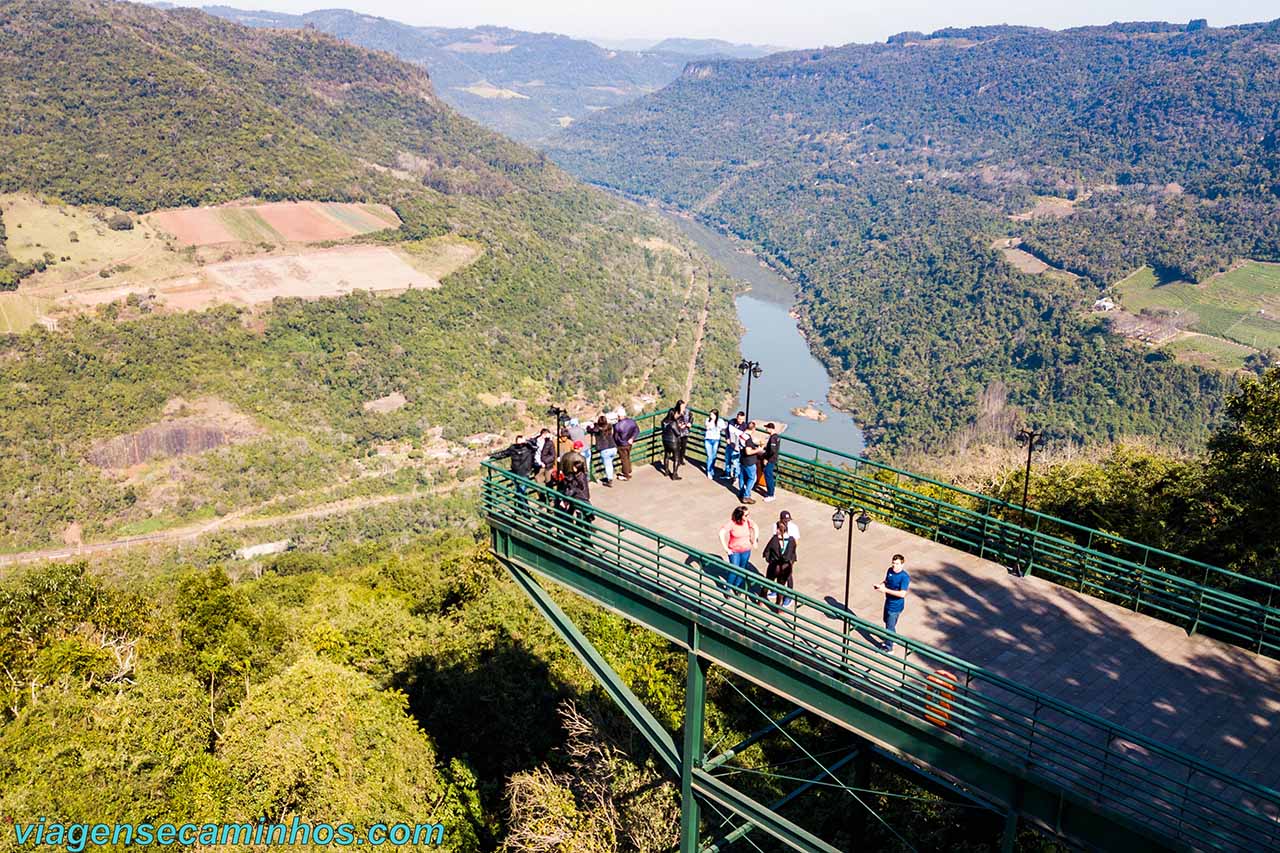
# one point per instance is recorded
(896, 581)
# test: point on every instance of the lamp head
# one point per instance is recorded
(862, 522)
(837, 518)
(756, 371)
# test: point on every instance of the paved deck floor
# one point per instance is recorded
(1207, 698)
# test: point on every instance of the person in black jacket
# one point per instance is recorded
(574, 483)
(671, 445)
(521, 454)
(780, 554)
(772, 450)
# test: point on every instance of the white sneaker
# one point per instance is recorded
(769, 499)
(710, 476)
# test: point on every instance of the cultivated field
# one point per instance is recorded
(190, 259)
(1208, 351)
(305, 275)
(274, 222)
(1242, 305)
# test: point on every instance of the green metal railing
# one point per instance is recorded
(1196, 596)
(1021, 730)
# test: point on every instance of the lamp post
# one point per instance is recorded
(1033, 440)
(751, 370)
(557, 413)
(861, 522)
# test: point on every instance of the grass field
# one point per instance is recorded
(1208, 351)
(18, 311)
(1242, 305)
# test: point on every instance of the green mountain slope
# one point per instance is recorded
(524, 85)
(880, 175)
(565, 300)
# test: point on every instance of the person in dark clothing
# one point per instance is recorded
(606, 446)
(521, 454)
(625, 433)
(671, 445)
(574, 483)
(769, 459)
(684, 423)
(545, 455)
(780, 554)
(750, 458)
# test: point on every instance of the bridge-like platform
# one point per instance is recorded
(1216, 701)
(1118, 695)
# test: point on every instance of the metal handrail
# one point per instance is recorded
(1180, 795)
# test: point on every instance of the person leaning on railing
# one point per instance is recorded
(523, 456)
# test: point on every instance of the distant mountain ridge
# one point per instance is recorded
(525, 85)
(882, 175)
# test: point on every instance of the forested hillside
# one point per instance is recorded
(184, 108)
(524, 85)
(881, 174)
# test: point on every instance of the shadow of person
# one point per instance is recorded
(838, 605)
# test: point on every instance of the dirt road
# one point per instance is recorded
(236, 520)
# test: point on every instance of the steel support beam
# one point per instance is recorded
(752, 739)
(794, 836)
(617, 689)
(723, 843)
(695, 698)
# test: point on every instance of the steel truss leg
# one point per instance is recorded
(695, 698)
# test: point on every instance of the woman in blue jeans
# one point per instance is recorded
(739, 536)
(711, 440)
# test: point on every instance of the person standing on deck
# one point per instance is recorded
(739, 537)
(625, 433)
(772, 449)
(684, 422)
(733, 446)
(671, 445)
(896, 581)
(750, 457)
(711, 440)
(606, 446)
(780, 554)
(793, 530)
(544, 457)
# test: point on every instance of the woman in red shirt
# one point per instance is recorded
(739, 536)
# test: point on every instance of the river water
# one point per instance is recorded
(792, 376)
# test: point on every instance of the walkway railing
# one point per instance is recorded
(1169, 791)
(1196, 596)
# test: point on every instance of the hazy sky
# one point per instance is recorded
(793, 23)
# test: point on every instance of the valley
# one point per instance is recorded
(274, 288)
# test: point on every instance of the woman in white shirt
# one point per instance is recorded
(711, 440)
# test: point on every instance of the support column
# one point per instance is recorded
(1010, 837)
(695, 695)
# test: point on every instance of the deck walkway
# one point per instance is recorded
(1212, 700)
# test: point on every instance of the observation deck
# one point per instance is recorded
(1105, 690)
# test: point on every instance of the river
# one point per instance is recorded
(792, 376)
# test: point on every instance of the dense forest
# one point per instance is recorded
(1219, 506)
(879, 175)
(374, 684)
(301, 115)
